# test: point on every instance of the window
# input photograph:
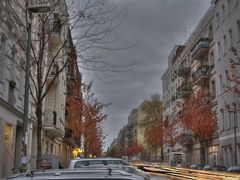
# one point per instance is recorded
(217, 20)
(236, 2)
(219, 49)
(210, 30)
(51, 148)
(224, 44)
(227, 81)
(220, 85)
(2, 56)
(56, 23)
(213, 89)
(222, 120)
(238, 30)
(229, 6)
(12, 64)
(230, 38)
(223, 12)
(11, 96)
(211, 60)
(46, 150)
(229, 119)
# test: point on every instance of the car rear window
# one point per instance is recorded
(79, 164)
(124, 163)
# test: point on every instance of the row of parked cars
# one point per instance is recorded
(215, 168)
(89, 169)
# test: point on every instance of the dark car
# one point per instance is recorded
(235, 169)
(214, 168)
(197, 166)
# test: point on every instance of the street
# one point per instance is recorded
(155, 176)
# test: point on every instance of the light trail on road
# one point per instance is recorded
(155, 176)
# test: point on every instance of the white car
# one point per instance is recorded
(113, 163)
(86, 162)
(86, 173)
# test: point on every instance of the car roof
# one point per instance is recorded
(79, 174)
(98, 159)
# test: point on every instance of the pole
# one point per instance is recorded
(235, 134)
(25, 161)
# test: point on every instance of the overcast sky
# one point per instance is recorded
(157, 25)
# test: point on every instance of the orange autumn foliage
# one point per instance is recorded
(198, 117)
(169, 133)
(74, 115)
(154, 135)
(134, 148)
(85, 116)
(93, 118)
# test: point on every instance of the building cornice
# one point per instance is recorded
(11, 108)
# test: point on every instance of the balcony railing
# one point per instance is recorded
(183, 71)
(184, 90)
(201, 74)
(201, 47)
(55, 34)
(53, 124)
(187, 138)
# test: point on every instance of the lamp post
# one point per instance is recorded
(235, 133)
(32, 9)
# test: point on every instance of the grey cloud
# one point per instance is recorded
(158, 25)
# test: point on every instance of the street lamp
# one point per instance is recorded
(40, 8)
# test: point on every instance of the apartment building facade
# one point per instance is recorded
(12, 58)
(54, 148)
(226, 38)
(12, 76)
(205, 62)
(134, 132)
(190, 67)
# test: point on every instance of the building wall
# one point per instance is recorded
(12, 51)
(173, 94)
(226, 16)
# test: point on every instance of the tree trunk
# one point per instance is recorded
(156, 153)
(162, 154)
(39, 135)
(202, 152)
(85, 148)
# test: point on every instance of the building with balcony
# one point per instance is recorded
(191, 62)
(60, 46)
(12, 54)
(210, 53)
(200, 48)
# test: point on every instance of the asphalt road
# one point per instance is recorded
(156, 177)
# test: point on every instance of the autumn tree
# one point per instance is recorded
(153, 124)
(234, 77)
(74, 115)
(93, 117)
(154, 136)
(133, 149)
(169, 134)
(234, 64)
(90, 22)
(113, 152)
(197, 116)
